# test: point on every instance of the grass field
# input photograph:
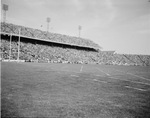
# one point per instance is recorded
(43, 90)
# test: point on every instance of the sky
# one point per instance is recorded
(119, 25)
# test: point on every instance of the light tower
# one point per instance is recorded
(48, 21)
(79, 30)
(5, 8)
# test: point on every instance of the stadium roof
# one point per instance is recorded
(11, 29)
(46, 40)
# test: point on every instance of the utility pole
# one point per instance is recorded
(48, 21)
(5, 8)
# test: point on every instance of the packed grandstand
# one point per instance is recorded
(41, 46)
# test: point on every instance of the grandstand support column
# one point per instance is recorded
(19, 45)
(10, 47)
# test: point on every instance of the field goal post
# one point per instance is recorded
(18, 59)
(10, 46)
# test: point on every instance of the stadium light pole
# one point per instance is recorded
(48, 21)
(19, 45)
(10, 47)
(5, 8)
(79, 30)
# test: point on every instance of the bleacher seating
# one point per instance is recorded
(35, 33)
(39, 52)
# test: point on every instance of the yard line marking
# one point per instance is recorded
(81, 68)
(69, 71)
(138, 76)
(134, 75)
(99, 75)
(139, 89)
(119, 70)
(99, 81)
(103, 72)
(143, 83)
(131, 81)
(141, 72)
(117, 105)
(74, 75)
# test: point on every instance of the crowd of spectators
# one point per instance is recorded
(35, 33)
(39, 52)
(56, 54)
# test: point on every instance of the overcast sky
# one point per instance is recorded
(120, 25)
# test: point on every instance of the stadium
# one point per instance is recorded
(60, 76)
(53, 75)
(39, 46)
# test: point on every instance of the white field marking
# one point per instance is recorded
(68, 71)
(119, 70)
(138, 76)
(134, 75)
(139, 89)
(142, 72)
(81, 68)
(117, 105)
(103, 72)
(143, 83)
(99, 75)
(113, 78)
(131, 81)
(99, 81)
(74, 75)
(111, 103)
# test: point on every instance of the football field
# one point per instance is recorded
(46, 90)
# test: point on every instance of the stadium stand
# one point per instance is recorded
(40, 46)
(38, 34)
